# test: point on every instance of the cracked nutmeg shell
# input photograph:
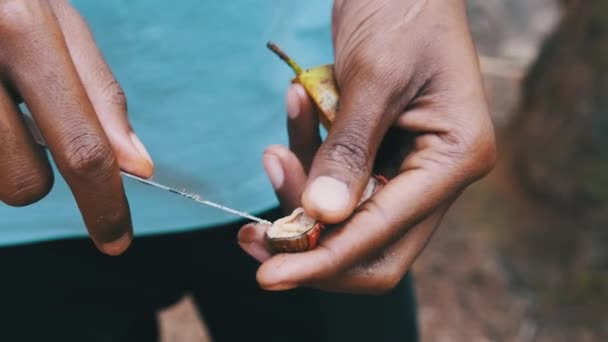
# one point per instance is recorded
(299, 232)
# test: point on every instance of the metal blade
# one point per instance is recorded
(197, 198)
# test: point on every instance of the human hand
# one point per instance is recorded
(412, 108)
(50, 61)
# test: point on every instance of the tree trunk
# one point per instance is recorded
(561, 133)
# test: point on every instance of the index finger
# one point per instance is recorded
(43, 72)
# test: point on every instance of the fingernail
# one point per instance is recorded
(255, 250)
(293, 102)
(328, 194)
(280, 287)
(273, 168)
(141, 149)
(117, 246)
(300, 90)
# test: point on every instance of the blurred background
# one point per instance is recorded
(523, 255)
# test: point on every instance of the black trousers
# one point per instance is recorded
(68, 291)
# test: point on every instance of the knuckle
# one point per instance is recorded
(116, 95)
(376, 70)
(370, 65)
(28, 188)
(56, 3)
(87, 155)
(390, 279)
(111, 88)
(350, 151)
(473, 150)
(18, 17)
(487, 155)
(384, 282)
(480, 146)
(383, 273)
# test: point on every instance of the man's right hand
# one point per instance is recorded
(49, 60)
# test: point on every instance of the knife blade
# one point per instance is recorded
(195, 197)
(189, 195)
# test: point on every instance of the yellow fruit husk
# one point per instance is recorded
(319, 83)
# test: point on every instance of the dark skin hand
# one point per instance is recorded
(49, 60)
(412, 108)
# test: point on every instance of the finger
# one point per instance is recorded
(286, 176)
(104, 91)
(383, 272)
(403, 202)
(252, 241)
(302, 125)
(343, 164)
(45, 76)
(25, 175)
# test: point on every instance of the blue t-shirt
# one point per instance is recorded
(205, 96)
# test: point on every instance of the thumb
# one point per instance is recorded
(104, 91)
(342, 167)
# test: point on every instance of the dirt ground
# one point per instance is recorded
(473, 281)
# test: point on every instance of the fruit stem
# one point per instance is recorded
(277, 50)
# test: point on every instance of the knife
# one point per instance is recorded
(189, 195)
